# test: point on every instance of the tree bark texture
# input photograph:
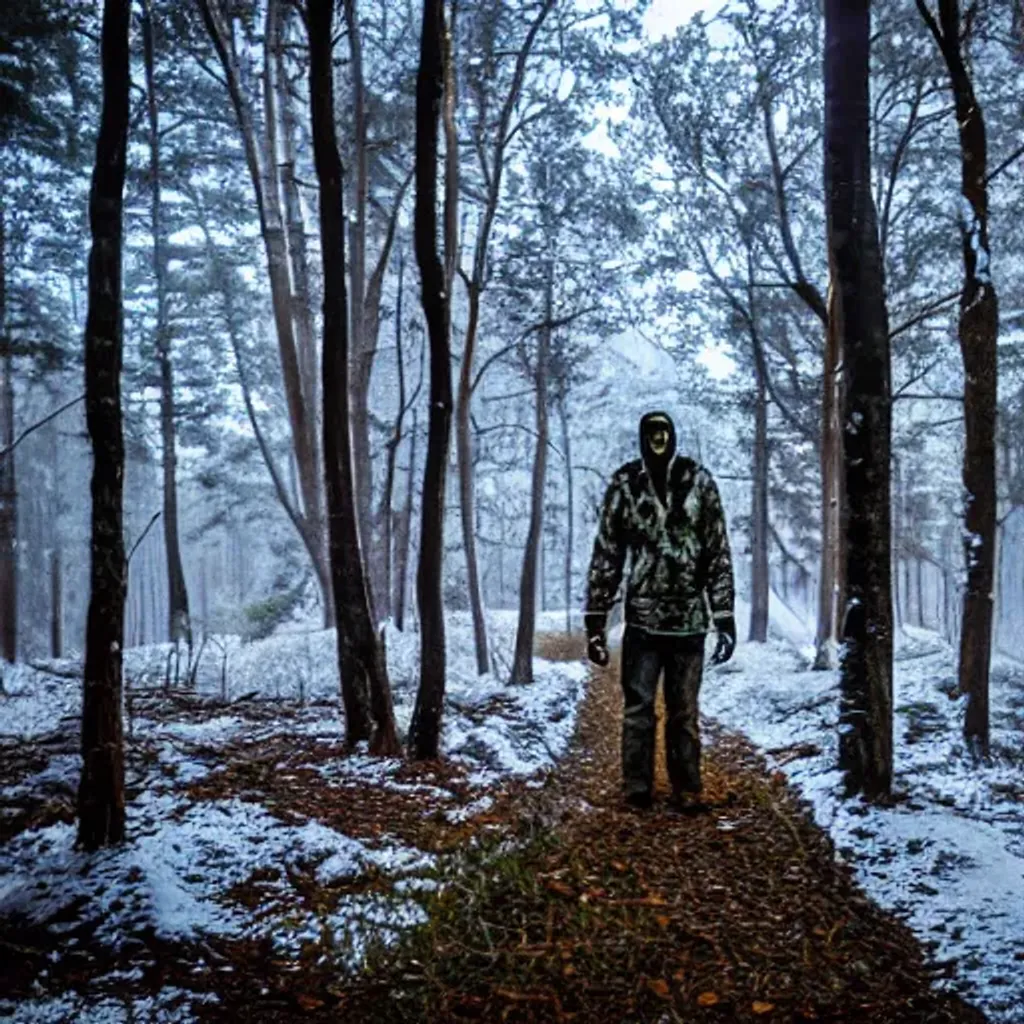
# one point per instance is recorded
(8, 479)
(360, 658)
(403, 532)
(475, 285)
(101, 799)
(522, 660)
(362, 354)
(865, 729)
(467, 496)
(367, 291)
(261, 155)
(302, 292)
(830, 459)
(570, 502)
(56, 604)
(179, 624)
(425, 730)
(978, 330)
(759, 534)
(387, 502)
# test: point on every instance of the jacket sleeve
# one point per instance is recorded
(609, 555)
(718, 583)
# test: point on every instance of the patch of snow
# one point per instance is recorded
(170, 1006)
(175, 873)
(949, 859)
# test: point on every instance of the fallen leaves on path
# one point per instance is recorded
(739, 914)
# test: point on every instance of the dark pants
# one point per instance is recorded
(644, 657)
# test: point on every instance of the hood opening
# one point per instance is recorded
(652, 460)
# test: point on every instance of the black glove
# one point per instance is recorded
(597, 639)
(726, 641)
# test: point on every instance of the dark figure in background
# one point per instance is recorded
(663, 510)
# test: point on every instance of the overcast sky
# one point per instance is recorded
(666, 16)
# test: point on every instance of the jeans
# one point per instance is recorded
(645, 656)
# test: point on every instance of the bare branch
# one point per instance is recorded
(142, 537)
(929, 311)
(4, 452)
(1014, 156)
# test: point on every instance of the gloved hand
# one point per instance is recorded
(597, 650)
(597, 639)
(726, 641)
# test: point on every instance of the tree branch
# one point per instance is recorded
(929, 311)
(1015, 155)
(4, 452)
(142, 537)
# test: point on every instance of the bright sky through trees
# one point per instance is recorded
(665, 16)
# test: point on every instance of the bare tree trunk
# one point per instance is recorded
(367, 291)
(759, 517)
(301, 290)
(979, 334)
(865, 731)
(570, 514)
(179, 625)
(362, 358)
(260, 159)
(56, 603)
(224, 282)
(425, 730)
(502, 536)
(404, 532)
(301, 299)
(101, 798)
(475, 284)
(919, 590)
(386, 515)
(360, 658)
(899, 591)
(8, 481)
(522, 661)
(831, 468)
(467, 497)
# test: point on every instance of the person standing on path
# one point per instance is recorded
(664, 511)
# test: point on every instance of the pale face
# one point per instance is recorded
(658, 440)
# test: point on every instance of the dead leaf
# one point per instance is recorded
(619, 866)
(679, 975)
(759, 1007)
(659, 987)
(663, 921)
(560, 887)
(707, 999)
(308, 1002)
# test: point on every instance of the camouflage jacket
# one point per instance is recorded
(680, 566)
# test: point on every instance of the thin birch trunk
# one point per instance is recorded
(522, 661)
(179, 621)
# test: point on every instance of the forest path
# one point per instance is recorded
(602, 914)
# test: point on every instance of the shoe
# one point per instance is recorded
(688, 803)
(638, 801)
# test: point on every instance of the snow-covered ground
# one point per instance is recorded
(949, 856)
(183, 855)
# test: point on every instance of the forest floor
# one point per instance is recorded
(602, 913)
(435, 892)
